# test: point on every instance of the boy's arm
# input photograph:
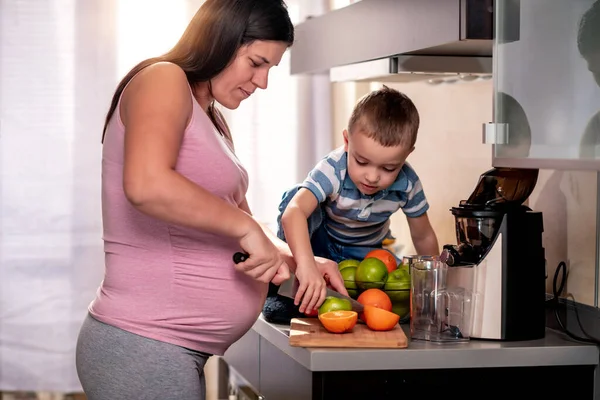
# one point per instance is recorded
(415, 209)
(294, 223)
(423, 236)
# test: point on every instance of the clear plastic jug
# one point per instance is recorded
(438, 313)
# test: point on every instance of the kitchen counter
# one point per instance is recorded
(552, 367)
(554, 349)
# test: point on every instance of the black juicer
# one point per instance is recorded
(503, 239)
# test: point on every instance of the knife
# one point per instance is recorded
(290, 287)
(240, 257)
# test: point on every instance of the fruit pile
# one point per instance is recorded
(336, 315)
(378, 270)
(378, 283)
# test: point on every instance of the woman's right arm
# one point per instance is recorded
(155, 109)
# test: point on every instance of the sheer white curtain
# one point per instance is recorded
(60, 61)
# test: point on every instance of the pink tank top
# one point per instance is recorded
(168, 282)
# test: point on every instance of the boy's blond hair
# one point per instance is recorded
(387, 116)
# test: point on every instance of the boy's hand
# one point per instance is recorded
(312, 287)
(330, 271)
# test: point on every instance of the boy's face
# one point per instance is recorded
(371, 166)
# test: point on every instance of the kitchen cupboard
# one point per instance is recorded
(546, 112)
(547, 84)
(544, 57)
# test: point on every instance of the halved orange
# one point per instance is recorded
(338, 321)
(378, 319)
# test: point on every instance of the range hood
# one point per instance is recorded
(400, 40)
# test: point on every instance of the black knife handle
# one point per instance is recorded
(240, 257)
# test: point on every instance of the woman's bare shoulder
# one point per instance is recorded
(161, 75)
(160, 86)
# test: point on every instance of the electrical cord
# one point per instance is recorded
(557, 291)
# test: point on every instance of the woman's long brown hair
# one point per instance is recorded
(211, 40)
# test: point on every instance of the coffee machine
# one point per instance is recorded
(501, 239)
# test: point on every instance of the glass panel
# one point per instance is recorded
(547, 82)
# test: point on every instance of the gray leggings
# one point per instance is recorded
(113, 364)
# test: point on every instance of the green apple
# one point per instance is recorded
(335, 304)
(348, 263)
(348, 274)
(398, 280)
(397, 286)
(401, 309)
(405, 267)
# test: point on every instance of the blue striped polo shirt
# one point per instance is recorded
(355, 218)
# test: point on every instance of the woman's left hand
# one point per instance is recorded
(331, 273)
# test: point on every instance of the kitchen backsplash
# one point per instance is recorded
(449, 158)
(568, 201)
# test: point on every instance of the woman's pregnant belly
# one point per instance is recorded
(192, 297)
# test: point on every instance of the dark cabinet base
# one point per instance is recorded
(573, 382)
(277, 376)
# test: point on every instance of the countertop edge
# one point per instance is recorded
(554, 350)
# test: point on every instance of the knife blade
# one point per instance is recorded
(290, 287)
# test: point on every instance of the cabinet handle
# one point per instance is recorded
(495, 133)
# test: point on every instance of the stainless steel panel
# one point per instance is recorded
(373, 29)
(546, 163)
(408, 68)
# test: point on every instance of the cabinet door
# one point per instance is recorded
(244, 357)
(547, 83)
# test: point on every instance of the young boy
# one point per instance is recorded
(342, 209)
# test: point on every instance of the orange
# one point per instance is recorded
(338, 321)
(376, 298)
(371, 273)
(378, 319)
(386, 256)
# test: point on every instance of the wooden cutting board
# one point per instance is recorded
(308, 332)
